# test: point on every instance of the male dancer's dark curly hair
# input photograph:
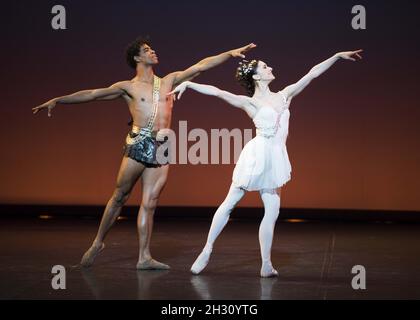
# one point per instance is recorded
(244, 75)
(133, 50)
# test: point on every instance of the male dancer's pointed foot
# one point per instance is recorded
(90, 255)
(201, 262)
(267, 271)
(152, 265)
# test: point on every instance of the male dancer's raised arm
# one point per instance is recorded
(293, 90)
(209, 63)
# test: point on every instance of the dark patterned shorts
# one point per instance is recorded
(143, 150)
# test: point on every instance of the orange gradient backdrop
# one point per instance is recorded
(354, 133)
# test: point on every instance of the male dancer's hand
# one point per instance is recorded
(350, 55)
(47, 105)
(239, 53)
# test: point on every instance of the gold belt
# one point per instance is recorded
(141, 134)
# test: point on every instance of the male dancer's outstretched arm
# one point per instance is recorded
(113, 92)
(209, 63)
(293, 90)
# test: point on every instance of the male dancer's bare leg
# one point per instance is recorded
(128, 175)
(153, 182)
(271, 200)
(220, 219)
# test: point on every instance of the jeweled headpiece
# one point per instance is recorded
(245, 67)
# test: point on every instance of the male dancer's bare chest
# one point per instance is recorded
(142, 108)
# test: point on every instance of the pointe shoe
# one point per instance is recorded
(268, 272)
(201, 262)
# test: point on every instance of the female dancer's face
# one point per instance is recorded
(264, 72)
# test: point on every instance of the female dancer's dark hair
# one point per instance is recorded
(244, 75)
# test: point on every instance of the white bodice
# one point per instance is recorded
(269, 123)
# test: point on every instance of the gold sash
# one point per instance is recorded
(148, 130)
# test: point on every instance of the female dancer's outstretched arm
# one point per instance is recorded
(296, 88)
(238, 101)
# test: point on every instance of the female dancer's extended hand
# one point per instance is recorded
(179, 89)
(350, 55)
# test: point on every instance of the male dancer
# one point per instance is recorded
(151, 111)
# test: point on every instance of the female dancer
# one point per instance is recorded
(264, 164)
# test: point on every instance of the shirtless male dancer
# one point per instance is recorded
(151, 111)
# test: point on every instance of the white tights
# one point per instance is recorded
(271, 200)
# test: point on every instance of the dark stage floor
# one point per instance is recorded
(314, 260)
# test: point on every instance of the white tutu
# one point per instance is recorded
(264, 161)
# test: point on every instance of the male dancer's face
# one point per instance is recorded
(147, 55)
